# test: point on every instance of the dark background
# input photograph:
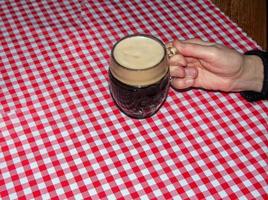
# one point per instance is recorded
(250, 15)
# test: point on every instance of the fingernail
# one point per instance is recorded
(190, 72)
(189, 82)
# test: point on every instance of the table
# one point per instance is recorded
(62, 137)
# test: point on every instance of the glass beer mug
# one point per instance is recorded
(139, 75)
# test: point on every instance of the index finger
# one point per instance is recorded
(195, 50)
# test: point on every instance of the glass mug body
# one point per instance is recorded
(139, 93)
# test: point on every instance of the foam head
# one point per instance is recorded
(139, 60)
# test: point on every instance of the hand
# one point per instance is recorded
(214, 67)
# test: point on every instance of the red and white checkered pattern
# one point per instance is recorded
(62, 137)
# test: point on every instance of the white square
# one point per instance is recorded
(55, 181)
(103, 152)
(13, 151)
(121, 156)
(210, 135)
(82, 171)
(170, 163)
(183, 182)
(37, 175)
(4, 133)
(231, 163)
(87, 181)
(26, 146)
(164, 153)
(9, 185)
(111, 139)
(158, 167)
(31, 124)
(212, 158)
(190, 193)
(247, 144)
(122, 134)
(193, 153)
(202, 188)
(215, 183)
(195, 177)
(235, 188)
(139, 162)
(208, 172)
(125, 192)
(20, 170)
(33, 165)
(175, 126)
(22, 137)
(138, 187)
(176, 172)
(6, 175)
(108, 161)
(51, 170)
(247, 183)
(259, 178)
(111, 197)
(106, 186)
(254, 153)
(132, 177)
(126, 167)
(60, 191)
(74, 186)
(170, 188)
(176, 148)
(157, 193)
(220, 168)
(133, 152)
(23, 180)
(182, 157)
(69, 176)
(145, 172)
(119, 181)
(78, 196)
(164, 177)
(224, 154)
(128, 143)
(189, 167)
(239, 173)
(256, 194)
(187, 144)
(100, 176)
(41, 185)
(116, 147)
(27, 191)
(73, 152)
(227, 178)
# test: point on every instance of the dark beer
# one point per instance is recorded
(139, 102)
(139, 75)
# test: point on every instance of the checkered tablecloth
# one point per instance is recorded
(62, 137)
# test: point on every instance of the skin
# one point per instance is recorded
(211, 66)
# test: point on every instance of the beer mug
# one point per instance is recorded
(139, 75)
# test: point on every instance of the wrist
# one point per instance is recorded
(251, 76)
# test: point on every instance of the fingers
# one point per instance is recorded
(177, 72)
(195, 48)
(178, 60)
(182, 83)
(183, 78)
(198, 41)
(184, 64)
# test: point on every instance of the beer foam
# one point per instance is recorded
(139, 60)
(138, 52)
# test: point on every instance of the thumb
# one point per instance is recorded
(194, 50)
